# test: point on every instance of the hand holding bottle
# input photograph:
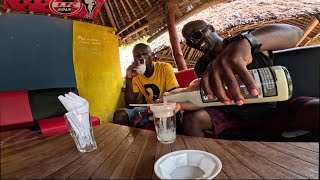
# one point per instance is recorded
(274, 84)
(221, 72)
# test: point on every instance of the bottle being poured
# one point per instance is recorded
(274, 85)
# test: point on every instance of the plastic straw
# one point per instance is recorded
(139, 104)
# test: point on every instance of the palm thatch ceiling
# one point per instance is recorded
(235, 16)
(133, 19)
(136, 19)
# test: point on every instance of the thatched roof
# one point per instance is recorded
(230, 16)
(135, 19)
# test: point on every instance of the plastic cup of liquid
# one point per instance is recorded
(165, 121)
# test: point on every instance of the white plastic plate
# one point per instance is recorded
(188, 164)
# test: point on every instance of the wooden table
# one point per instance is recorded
(125, 152)
(19, 135)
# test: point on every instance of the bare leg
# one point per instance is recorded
(195, 122)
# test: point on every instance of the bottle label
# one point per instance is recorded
(265, 79)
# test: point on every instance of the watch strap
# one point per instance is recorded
(255, 45)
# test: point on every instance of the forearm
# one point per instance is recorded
(277, 36)
(129, 95)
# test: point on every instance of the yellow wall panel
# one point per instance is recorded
(97, 68)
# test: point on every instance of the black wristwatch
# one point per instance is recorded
(255, 45)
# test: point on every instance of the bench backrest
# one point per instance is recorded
(184, 77)
(303, 64)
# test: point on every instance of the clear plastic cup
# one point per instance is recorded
(80, 128)
(165, 121)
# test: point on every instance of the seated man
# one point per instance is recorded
(217, 68)
(153, 80)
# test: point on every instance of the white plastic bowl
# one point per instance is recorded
(188, 164)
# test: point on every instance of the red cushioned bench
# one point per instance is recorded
(15, 112)
(184, 77)
(57, 125)
(38, 110)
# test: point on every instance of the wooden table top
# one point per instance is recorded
(129, 153)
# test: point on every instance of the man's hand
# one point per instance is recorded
(136, 120)
(219, 77)
(131, 70)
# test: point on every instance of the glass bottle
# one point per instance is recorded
(274, 84)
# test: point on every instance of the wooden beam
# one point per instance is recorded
(135, 31)
(127, 13)
(190, 52)
(130, 24)
(148, 2)
(139, 18)
(174, 39)
(167, 61)
(314, 22)
(162, 56)
(110, 14)
(317, 16)
(135, 15)
(190, 62)
(186, 16)
(119, 12)
(139, 6)
(125, 10)
(314, 37)
(101, 18)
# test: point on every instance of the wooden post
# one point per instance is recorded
(174, 39)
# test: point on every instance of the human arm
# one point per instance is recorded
(129, 95)
(220, 73)
(139, 117)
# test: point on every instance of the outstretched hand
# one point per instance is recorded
(219, 78)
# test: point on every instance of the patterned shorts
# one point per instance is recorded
(264, 115)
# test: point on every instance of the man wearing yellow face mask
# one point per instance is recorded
(149, 78)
